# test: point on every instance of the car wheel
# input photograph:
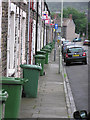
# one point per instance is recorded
(64, 59)
(85, 62)
(67, 63)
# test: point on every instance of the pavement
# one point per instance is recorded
(51, 100)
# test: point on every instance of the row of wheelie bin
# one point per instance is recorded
(14, 86)
(42, 56)
(11, 88)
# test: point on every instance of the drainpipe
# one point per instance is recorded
(16, 56)
(36, 30)
(44, 28)
(28, 32)
(8, 37)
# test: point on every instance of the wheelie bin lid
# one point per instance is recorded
(29, 66)
(3, 95)
(47, 46)
(12, 80)
(42, 52)
(47, 50)
(40, 56)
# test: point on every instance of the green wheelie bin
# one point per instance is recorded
(51, 44)
(3, 98)
(43, 53)
(47, 57)
(14, 88)
(31, 72)
(40, 60)
(48, 47)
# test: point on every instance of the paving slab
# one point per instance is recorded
(50, 102)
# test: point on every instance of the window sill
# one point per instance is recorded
(11, 72)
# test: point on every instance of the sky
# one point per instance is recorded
(68, 0)
(51, 0)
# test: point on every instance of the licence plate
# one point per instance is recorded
(75, 55)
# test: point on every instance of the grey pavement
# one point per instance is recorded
(50, 102)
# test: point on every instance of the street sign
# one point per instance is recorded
(56, 26)
(47, 21)
(52, 24)
(54, 30)
(44, 15)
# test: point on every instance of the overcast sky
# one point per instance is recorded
(68, 0)
(50, 0)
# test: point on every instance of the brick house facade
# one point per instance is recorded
(0, 36)
(18, 46)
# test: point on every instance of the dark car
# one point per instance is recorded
(75, 54)
(77, 40)
(64, 44)
(86, 42)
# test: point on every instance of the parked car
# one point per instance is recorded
(77, 40)
(63, 44)
(86, 42)
(75, 54)
(65, 47)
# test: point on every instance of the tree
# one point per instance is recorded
(79, 19)
(89, 31)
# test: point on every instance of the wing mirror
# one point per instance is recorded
(80, 114)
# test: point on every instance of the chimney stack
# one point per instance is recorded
(70, 16)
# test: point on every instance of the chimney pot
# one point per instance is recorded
(70, 16)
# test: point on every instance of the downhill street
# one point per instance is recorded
(78, 78)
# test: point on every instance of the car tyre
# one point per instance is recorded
(85, 62)
(67, 63)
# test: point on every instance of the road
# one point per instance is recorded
(78, 78)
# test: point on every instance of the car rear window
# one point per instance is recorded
(74, 50)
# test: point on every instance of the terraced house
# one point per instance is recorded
(68, 29)
(22, 33)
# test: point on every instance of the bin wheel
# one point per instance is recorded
(23, 94)
(44, 73)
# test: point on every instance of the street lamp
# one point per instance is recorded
(61, 13)
(60, 54)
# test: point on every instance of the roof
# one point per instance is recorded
(65, 21)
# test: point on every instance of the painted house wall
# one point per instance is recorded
(15, 35)
(70, 32)
(13, 38)
(4, 37)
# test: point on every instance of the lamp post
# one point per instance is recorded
(60, 54)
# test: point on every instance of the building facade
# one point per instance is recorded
(68, 28)
(22, 34)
